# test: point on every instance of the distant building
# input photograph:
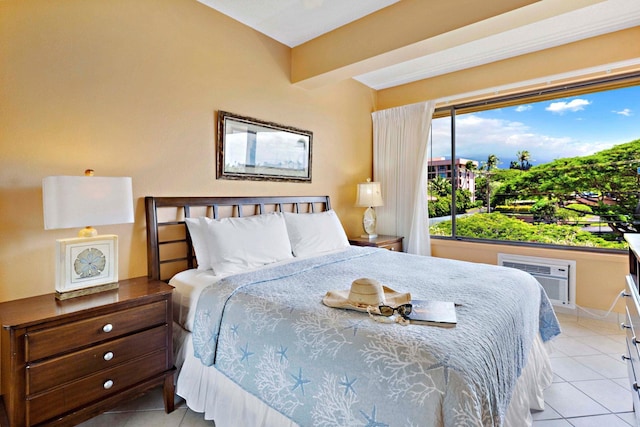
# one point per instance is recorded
(441, 166)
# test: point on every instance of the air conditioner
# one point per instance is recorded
(556, 276)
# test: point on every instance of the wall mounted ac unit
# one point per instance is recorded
(557, 276)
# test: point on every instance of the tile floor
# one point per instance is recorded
(590, 387)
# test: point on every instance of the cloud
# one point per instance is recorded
(626, 112)
(477, 137)
(574, 105)
(522, 108)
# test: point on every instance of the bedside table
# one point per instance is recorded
(64, 362)
(393, 243)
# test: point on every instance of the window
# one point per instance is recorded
(555, 168)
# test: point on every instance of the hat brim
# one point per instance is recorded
(340, 299)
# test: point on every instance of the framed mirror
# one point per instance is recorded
(252, 149)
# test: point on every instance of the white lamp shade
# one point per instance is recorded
(81, 201)
(369, 195)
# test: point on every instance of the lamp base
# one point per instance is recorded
(84, 263)
(369, 220)
(85, 291)
(369, 236)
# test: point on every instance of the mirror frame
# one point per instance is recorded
(242, 138)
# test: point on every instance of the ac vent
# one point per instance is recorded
(529, 268)
(555, 276)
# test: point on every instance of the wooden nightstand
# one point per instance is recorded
(64, 362)
(393, 243)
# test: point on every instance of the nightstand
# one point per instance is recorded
(64, 362)
(393, 243)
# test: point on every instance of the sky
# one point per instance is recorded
(548, 130)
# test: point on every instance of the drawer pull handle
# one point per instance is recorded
(634, 341)
(107, 384)
(393, 249)
(623, 294)
(625, 358)
(108, 356)
(107, 328)
(623, 326)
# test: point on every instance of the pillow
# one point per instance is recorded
(315, 233)
(198, 232)
(239, 244)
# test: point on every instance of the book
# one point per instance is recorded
(431, 312)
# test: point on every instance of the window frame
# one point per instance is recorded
(518, 98)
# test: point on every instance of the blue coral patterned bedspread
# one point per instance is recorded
(269, 332)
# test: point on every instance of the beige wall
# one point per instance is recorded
(599, 277)
(129, 88)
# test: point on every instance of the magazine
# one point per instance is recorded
(430, 312)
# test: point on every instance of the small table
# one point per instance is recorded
(64, 362)
(393, 243)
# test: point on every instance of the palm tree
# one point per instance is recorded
(469, 169)
(491, 163)
(523, 158)
(439, 186)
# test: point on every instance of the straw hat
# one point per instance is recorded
(365, 293)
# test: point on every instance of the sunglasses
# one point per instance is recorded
(403, 310)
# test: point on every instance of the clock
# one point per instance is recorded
(86, 265)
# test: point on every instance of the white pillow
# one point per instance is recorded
(238, 244)
(315, 233)
(198, 232)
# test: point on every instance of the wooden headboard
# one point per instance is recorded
(169, 247)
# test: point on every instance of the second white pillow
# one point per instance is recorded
(315, 233)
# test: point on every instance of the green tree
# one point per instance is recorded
(523, 158)
(610, 174)
(469, 169)
(440, 186)
(491, 163)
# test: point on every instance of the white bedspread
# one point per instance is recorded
(209, 392)
(526, 392)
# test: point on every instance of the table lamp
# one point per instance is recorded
(369, 196)
(88, 263)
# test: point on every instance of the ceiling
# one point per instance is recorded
(536, 26)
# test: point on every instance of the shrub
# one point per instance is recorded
(501, 227)
(544, 210)
(513, 208)
(579, 208)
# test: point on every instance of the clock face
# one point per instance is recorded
(90, 263)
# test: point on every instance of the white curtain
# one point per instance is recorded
(400, 138)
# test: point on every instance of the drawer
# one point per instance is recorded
(633, 370)
(397, 246)
(65, 338)
(80, 393)
(632, 322)
(52, 372)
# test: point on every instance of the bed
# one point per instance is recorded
(255, 346)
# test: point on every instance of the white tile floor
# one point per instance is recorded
(590, 387)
